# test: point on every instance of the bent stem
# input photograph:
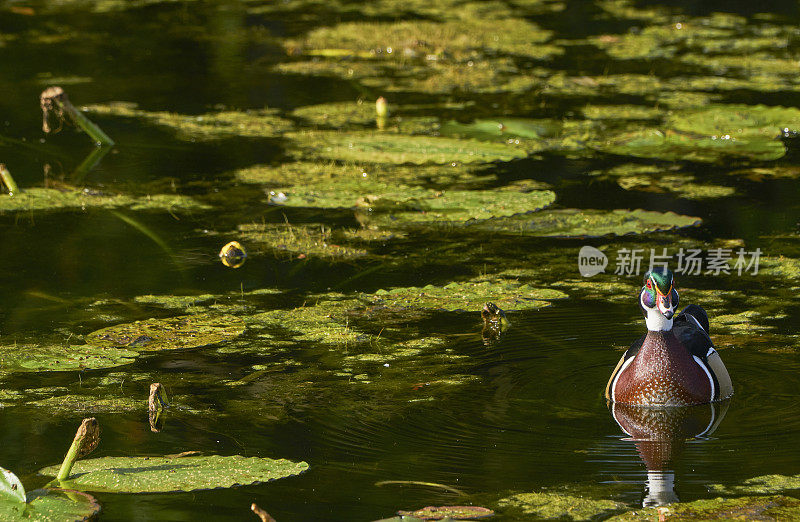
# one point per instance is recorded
(8, 180)
(86, 440)
(54, 101)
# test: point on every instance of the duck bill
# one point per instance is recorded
(665, 305)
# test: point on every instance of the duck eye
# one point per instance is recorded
(649, 285)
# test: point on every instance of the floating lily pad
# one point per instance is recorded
(174, 333)
(378, 147)
(59, 357)
(263, 123)
(37, 198)
(765, 484)
(739, 122)
(11, 488)
(51, 505)
(449, 512)
(168, 474)
(588, 223)
(651, 178)
(560, 506)
(87, 404)
(467, 296)
(745, 508)
(315, 240)
(502, 128)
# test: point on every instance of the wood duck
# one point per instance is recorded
(675, 364)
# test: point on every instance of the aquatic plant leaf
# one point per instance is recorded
(470, 296)
(314, 240)
(746, 508)
(10, 486)
(51, 505)
(59, 357)
(38, 198)
(449, 512)
(765, 484)
(501, 128)
(739, 122)
(558, 506)
(379, 147)
(173, 333)
(167, 474)
(263, 123)
(676, 146)
(588, 223)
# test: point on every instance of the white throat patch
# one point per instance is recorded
(655, 320)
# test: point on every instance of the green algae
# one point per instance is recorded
(469, 296)
(88, 405)
(588, 223)
(621, 112)
(170, 474)
(51, 505)
(180, 302)
(262, 123)
(61, 357)
(378, 147)
(38, 198)
(763, 485)
(448, 513)
(680, 185)
(743, 508)
(549, 506)
(174, 333)
(307, 240)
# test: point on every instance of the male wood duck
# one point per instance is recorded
(675, 364)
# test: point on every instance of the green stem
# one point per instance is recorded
(89, 163)
(88, 126)
(69, 459)
(86, 439)
(8, 180)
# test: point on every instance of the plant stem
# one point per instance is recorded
(54, 100)
(86, 439)
(8, 180)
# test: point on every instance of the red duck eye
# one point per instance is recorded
(649, 285)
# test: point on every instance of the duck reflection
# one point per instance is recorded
(660, 435)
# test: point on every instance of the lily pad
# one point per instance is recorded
(378, 147)
(263, 123)
(502, 128)
(59, 357)
(468, 296)
(545, 505)
(588, 223)
(169, 474)
(744, 508)
(174, 333)
(315, 240)
(449, 512)
(37, 198)
(51, 505)
(10, 487)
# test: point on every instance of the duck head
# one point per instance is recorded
(658, 299)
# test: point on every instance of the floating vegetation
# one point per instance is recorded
(262, 123)
(378, 147)
(174, 333)
(588, 223)
(763, 485)
(308, 240)
(503, 129)
(650, 178)
(449, 513)
(51, 505)
(170, 474)
(48, 199)
(544, 505)
(467, 296)
(748, 508)
(29, 357)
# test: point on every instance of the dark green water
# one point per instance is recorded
(530, 415)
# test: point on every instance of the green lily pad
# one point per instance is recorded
(263, 123)
(174, 333)
(449, 512)
(588, 223)
(502, 128)
(765, 484)
(379, 147)
(470, 296)
(744, 508)
(315, 240)
(739, 122)
(59, 357)
(51, 505)
(87, 404)
(11, 487)
(169, 474)
(560, 506)
(37, 198)
(651, 178)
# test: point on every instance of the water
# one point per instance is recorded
(525, 413)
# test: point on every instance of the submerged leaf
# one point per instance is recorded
(10, 486)
(187, 331)
(167, 474)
